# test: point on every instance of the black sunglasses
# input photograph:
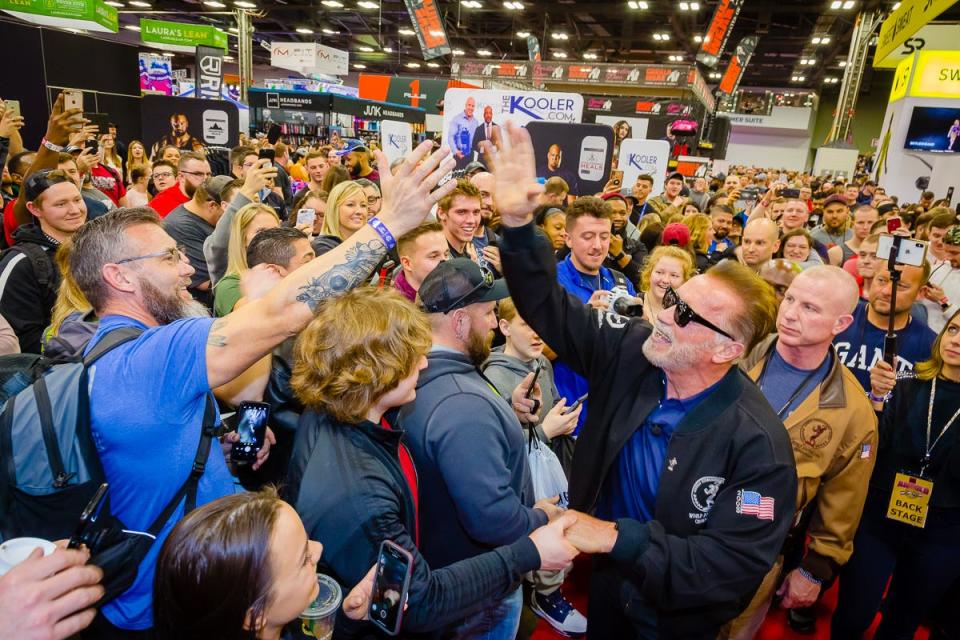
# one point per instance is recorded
(684, 315)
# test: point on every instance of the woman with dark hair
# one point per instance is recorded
(910, 529)
(240, 567)
(352, 479)
(553, 222)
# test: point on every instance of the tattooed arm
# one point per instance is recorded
(241, 338)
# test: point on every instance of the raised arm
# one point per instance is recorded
(241, 338)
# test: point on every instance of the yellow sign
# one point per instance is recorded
(909, 500)
(936, 74)
(933, 37)
(906, 21)
(901, 79)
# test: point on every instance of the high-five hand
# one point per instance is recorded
(408, 195)
(515, 171)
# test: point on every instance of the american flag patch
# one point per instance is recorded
(865, 452)
(751, 503)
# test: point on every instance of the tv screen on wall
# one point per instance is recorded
(934, 129)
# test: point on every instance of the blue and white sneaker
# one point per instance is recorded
(561, 615)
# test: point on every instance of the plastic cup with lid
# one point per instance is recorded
(317, 620)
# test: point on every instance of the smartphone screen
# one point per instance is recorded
(252, 428)
(390, 588)
(306, 216)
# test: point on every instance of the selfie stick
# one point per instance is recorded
(890, 340)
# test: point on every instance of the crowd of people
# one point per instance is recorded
(710, 368)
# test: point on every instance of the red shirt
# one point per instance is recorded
(410, 473)
(9, 222)
(108, 181)
(168, 200)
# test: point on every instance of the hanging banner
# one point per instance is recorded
(331, 61)
(533, 48)
(209, 72)
(177, 36)
(294, 56)
(644, 156)
(933, 37)
(909, 17)
(91, 15)
(721, 24)
(738, 64)
(579, 153)
(396, 139)
(470, 113)
(429, 27)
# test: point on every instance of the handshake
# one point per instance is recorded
(568, 534)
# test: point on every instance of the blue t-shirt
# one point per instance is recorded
(147, 399)
(631, 489)
(861, 345)
(571, 385)
(781, 380)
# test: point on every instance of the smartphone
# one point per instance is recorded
(72, 99)
(306, 216)
(267, 154)
(273, 134)
(89, 516)
(616, 177)
(950, 194)
(813, 220)
(912, 252)
(894, 223)
(252, 427)
(394, 567)
(93, 145)
(576, 404)
(13, 106)
(536, 376)
(789, 193)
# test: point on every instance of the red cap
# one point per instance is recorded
(676, 233)
(613, 194)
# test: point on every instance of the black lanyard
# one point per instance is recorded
(796, 394)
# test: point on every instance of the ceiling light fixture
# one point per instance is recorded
(228, 58)
(559, 35)
(471, 4)
(413, 65)
(458, 52)
(589, 56)
(848, 5)
(661, 37)
(243, 4)
(333, 4)
(513, 6)
(432, 65)
(638, 5)
(114, 3)
(843, 63)
(330, 32)
(698, 39)
(523, 34)
(484, 52)
(358, 65)
(559, 54)
(406, 32)
(366, 4)
(139, 3)
(132, 27)
(305, 31)
(388, 49)
(689, 6)
(365, 49)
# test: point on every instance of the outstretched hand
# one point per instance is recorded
(409, 194)
(515, 171)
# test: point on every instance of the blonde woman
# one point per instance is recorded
(701, 236)
(345, 215)
(137, 154)
(248, 222)
(666, 267)
(72, 322)
(109, 155)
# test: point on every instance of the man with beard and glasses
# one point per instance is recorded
(192, 170)
(132, 273)
(475, 486)
(680, 453)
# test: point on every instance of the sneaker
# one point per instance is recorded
(561, 615)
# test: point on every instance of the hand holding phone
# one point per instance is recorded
(252, 429)
(72, 99)
(576, 404)
(81, 535)
(533, 385)
(390, 587)
(306, 217)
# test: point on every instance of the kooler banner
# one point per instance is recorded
(396, 139)
(581, 154)
(721, 24)
(738, 64)
(429, 27)
(644, 156)
(188, 123)
(209, 72)
(472, 116)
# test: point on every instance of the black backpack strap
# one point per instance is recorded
(188, 489)
(110, 341)
(41, 261)
(44, 411)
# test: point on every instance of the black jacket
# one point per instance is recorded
(29, 279)
(346, 483)
(698, 563)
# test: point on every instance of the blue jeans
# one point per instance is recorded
(499, 621)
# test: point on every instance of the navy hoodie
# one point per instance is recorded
(475, 487)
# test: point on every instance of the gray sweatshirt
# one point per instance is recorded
(507, 372)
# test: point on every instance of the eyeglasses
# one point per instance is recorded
(373, 199)
(684, 315)
(173, 255)
(164, 174)
(201, 174)
(486, 283)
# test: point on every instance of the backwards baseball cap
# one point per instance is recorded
(38, 182)
(676, 175)
(677, 234)
(457, 283)
(834, 198)
(474, 167)
(214, 186)
(352, 145)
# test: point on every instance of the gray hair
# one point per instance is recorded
(100, 242)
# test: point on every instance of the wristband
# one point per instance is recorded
(809, 576)
(53, 147)
(383, 232)
(875, 398)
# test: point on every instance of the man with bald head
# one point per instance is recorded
(760, 241)
(832, 428)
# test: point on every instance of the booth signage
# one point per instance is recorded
(209, 72)
(936, 74)
(639, 156)
(303, 100)
(376, 111)
(901, 79)
(738, 64)
(295, 56)
(638, 75)
(331, 61)
(180, 34)
(396, 139)
(423, 93)
(933, 37)
(429, 27)
(94, 15)
(721, 24)
(906, 21)
(779, 118)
